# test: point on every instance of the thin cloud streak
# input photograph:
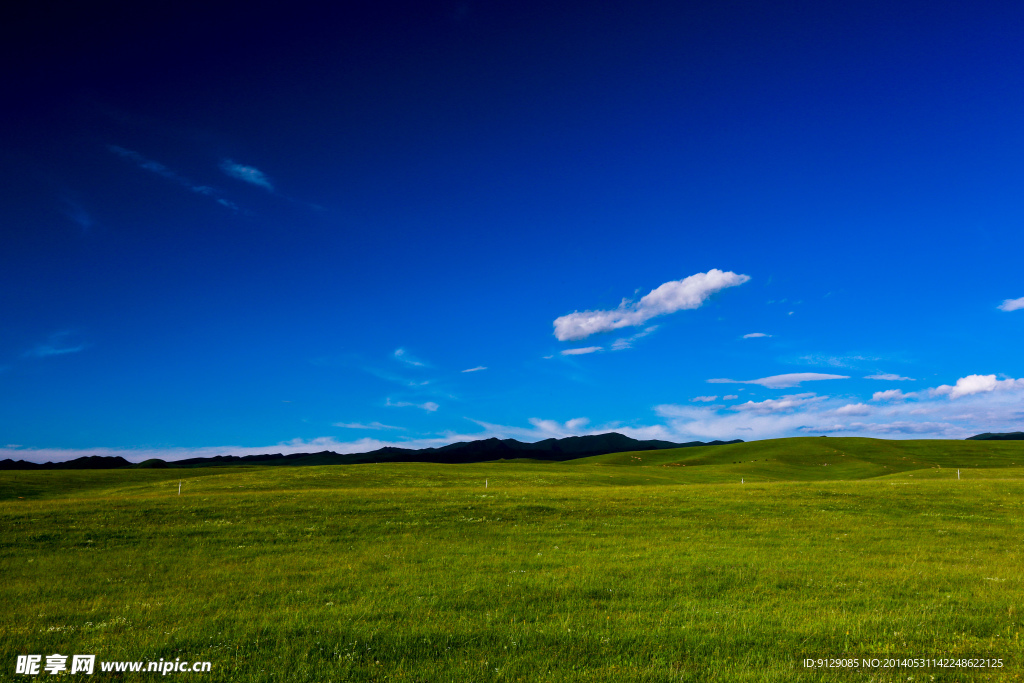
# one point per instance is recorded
(583, 351)
(627, 342)
(168, 174)
(403, 355)
(247, 174)
(54, 346)
(786, 381)
(371, 425)
(429, 406)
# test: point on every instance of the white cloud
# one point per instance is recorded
(755, 335)
(248, 174)
(889, 377)
(580, 352)
(854, 409)
(778, 405)
(792, 379)
(672, 296)
(703, 399)
(976, 384)
(891, 395)
(547, 429)
(1012, 304)
(730, 397)
(476, 369)
(429, 406)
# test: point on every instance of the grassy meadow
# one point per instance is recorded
(648, 566)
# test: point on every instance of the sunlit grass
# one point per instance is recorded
(587, 571)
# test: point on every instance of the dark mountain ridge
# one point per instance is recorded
(1006, 436)
(86, 462)
(485, 450)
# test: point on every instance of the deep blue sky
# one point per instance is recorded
(271, 226)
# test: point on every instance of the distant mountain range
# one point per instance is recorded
(484, 450)
(989, 436)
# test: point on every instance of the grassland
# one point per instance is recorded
(650, 566)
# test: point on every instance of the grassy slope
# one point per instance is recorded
(821, 459)
(605, 569)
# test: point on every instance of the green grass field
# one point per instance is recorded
(649, 566)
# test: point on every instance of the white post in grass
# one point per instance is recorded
(485, 483)
(958, 474)
(179, 487)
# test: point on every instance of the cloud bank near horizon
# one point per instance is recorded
(670, 297)
(974, 404)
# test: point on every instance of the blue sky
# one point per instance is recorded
(292, 228)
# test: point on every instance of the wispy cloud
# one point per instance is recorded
(672, 296)
(476, 369)
(786, 381)
(429, 406)
(627, 342)
(834, 361)
(77, 213)
(168, 174)
(582, 351)
(247, 174)
(371, 425)
(1012, 304)
(403, 355)
(889, 377)
(56, 345)
(703, 399)
(755, 335)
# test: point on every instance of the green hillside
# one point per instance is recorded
(646, 566)
(821, 458)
